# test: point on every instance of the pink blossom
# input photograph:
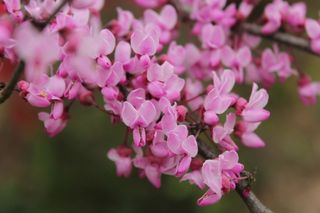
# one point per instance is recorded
(277, 62)
(166, 19)
(56, 121)
(145, 41)
(213, 36)
(221, 134)
(14, 8)
(121, 157)
(123, 24)
(219, 173)
(180, 143)
(163, 81)
(47, 91)
(38, 50)
(308, 91)
(245, 131)
(313, 31)
(219, 98)
(237, 60)
(253, 111)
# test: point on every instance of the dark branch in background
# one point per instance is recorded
(6, 92)
(279, 37)
(243, 187)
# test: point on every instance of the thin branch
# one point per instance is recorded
(6, 92)
(280, 37)
(243, 187)
(8, 89)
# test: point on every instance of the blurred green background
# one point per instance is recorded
(70, 173)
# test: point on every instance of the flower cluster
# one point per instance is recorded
(168, 95)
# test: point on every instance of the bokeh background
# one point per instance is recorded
(70, 173)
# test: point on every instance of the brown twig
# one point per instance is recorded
(279, 37)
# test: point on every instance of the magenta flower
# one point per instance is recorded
(213, 36)
(219, 98)
(121, 157)
(47, 91)
(218, 174)
(163, 81)
(56, 121)
(308, 91)
(166, 19)
(38, 50)
(245, 131)
(253, 111)
(145, 41)
(313, 31)
(237, 60)
(123, 24)
(221, 134)
(138, 114)
(277, 62)
(14, 8)
(180, 143)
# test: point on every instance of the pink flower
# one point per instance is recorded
(177, 57)
(14, 8)
(253, 111)
(221, 134)
(296, 14)
(163, 81)
(213, 36)
(38, 50)
(145, 41)
(138, 114)
(274, 14)
(313, 31)
(121, 157)
(308, 91)
(277, 62)
(180, 143)
(245, 131)
(237, 60)
(47, 91)
(166, 19)
(56, 121)
(122, 25)
(219, 98)
(218, 174)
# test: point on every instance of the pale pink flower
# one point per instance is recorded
(219, 98)
(56, 121)
(308, 90)
(221, 134)
(163, 81)
(313, 31)
(218, 174)
(121, 157)
(145, 41)
(236, 60)
(253, 111)
(47, 91)
(213, 36)
(38, 50)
